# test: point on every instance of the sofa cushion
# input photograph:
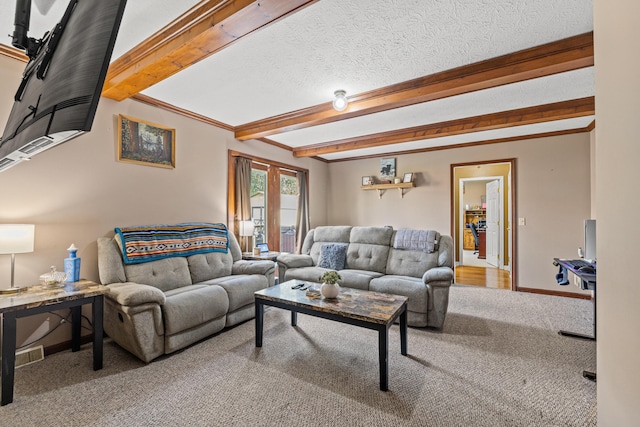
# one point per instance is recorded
(209, 266)
(410, 263)
(240, 288)
(110, 264)
(164, 274)
(308, 274)
(333, 233)
(333, 256)
(371, 235)
(328, 234)
(410, 287)
(364, 256)
(358, 279)
(193, 305)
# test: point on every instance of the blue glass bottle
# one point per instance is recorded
(72, 265)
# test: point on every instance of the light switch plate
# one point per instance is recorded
(522, 221)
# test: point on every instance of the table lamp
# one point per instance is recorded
(15, 239)
(246, 230)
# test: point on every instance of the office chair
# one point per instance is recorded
(472, 226)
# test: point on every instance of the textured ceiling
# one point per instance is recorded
(358, 46)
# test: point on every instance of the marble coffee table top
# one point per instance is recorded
(373, 307)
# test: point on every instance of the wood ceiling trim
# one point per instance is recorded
(170, 107)
(467, 144)
(560, 56)
(197, 34)
(14, 53)
(505, 119)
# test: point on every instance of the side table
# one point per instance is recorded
(268, 256)
(41, 299)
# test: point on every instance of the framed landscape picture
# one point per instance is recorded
(146, 143)
(387, 168)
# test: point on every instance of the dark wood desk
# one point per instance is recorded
(482, 243)
(41, 299)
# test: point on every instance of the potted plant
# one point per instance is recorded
(330, 287)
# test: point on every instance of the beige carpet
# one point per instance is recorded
(498, 362)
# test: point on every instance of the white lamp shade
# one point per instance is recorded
(246, 228)
(16, 238)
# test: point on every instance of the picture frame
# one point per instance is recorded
(367, 180)
(408, 177)
(388, 168)
(145, 143)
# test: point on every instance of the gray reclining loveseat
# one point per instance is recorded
(160, 306)
(416, 263)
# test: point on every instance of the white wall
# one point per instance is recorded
(78, 191)
(553, 194)
(617, 175)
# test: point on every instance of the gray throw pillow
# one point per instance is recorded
(333, 256)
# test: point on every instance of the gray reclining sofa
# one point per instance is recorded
(161, 306)
(375, 260)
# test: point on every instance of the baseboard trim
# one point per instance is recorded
(66, 345)
(555, 293)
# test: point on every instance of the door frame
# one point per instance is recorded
(461, 213)
(511, 211)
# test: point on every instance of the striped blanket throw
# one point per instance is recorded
(153, 242)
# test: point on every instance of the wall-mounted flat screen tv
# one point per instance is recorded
(61, 85)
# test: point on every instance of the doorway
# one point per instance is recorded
(482, 211)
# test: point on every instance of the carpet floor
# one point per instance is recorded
(498, 361)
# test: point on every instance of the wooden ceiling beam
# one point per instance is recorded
(505, 119)
(560, 56)
(200, 32)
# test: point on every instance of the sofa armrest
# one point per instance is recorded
(132, 294)
(295, 260)
(438, 276)
(253, 267)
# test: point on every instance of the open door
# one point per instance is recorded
(494, 212)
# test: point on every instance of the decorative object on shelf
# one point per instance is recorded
(397, 180)
(367, 180)
(330, 287)
(387, 168)
(53, 277)
(15, 239)
(145, 143)
(246, 230)
(72, 265)
(340, 100)
(408, 177)
(385, 181)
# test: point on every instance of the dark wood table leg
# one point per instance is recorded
(383, 356)
(294, 318)
(76, 327)
(98, 333)
(259, 322)
(403, 333)
(8, 356)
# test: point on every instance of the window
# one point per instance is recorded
(274, 201)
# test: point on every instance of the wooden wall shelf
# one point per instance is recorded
(382, 187)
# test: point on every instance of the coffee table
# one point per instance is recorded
(371, 310)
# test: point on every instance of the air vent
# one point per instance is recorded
(37, 145)
(6, 163)
(29, 356)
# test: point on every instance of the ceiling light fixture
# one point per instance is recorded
(340, 100)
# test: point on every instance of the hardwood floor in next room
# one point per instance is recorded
(482, 276)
